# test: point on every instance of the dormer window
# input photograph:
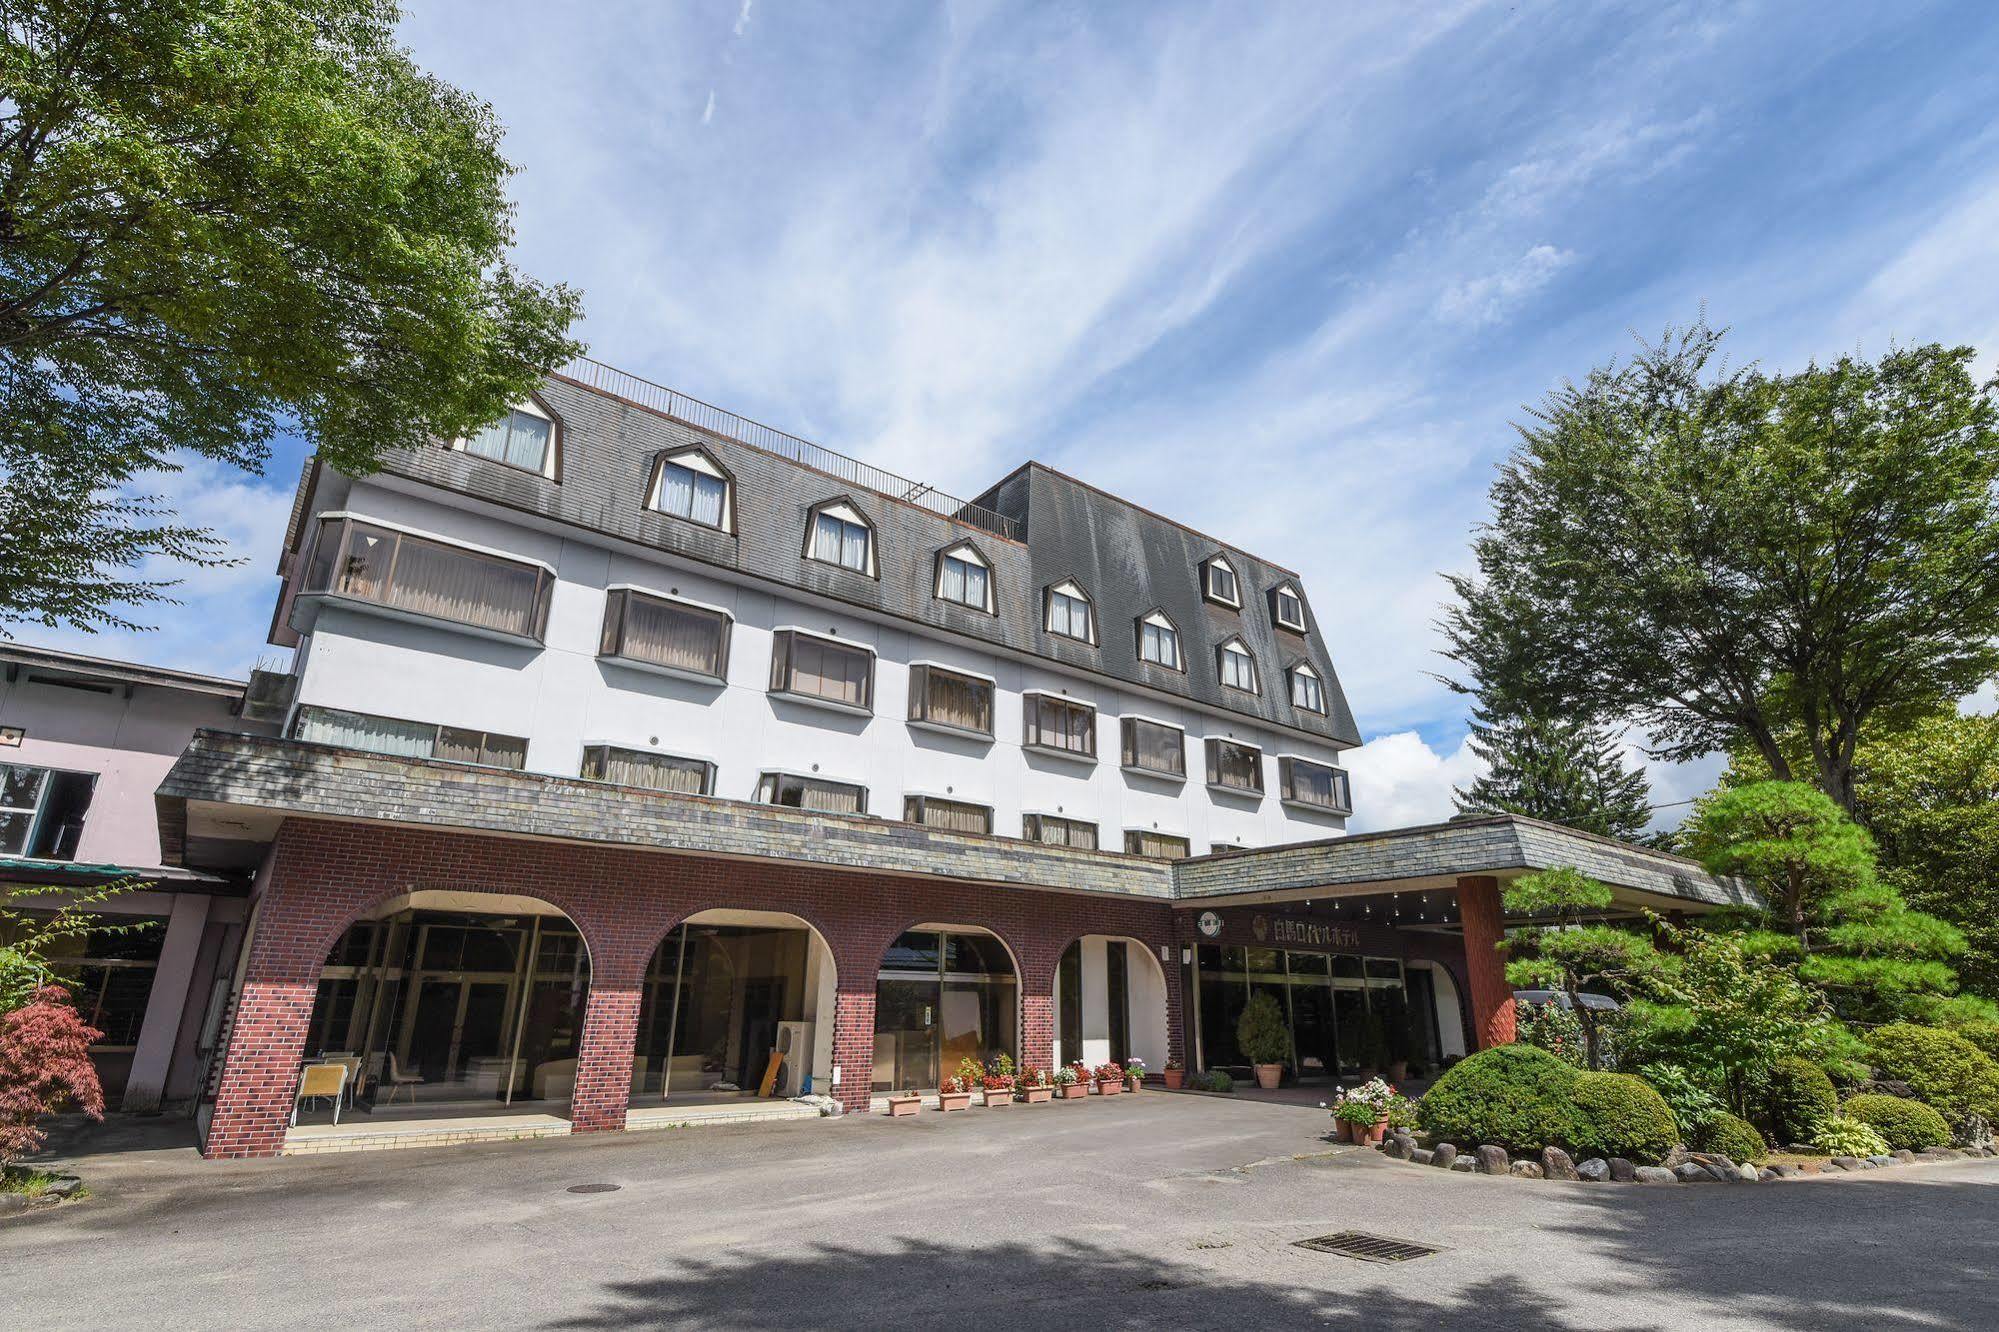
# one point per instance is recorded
(1218, 582)
(1238, 668)
(1070, 614)
(839, 535)
(523, 438)
(1288, 608)
(1308, 692)
(964, 576)
(689, 484)
(1159, 642)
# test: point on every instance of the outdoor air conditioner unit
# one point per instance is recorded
(794, 1042)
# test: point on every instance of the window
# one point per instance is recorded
(804, 666)
(1288, 607)
(1159, 641)
(1218, 582)
(652, 631)
(405, 739)
(1162, 846)
(1235, 767)
(950, 815)
(519, 439)
(1317, 784)
(781, 788)
(839, 535)
(1216, 848)
(1237, 667)
(938, 697)
(655, 772)
(1053, 831)
(963, 576)
(1154, 747)
(691, 485)
(41, 811)
(1307, 691)
(429, 578)
(1069, 613)
(1059, 724)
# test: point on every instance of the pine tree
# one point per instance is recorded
(1567, 772)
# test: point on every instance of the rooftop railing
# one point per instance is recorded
(717, 421)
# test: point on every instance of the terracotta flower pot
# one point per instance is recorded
(1269, 1075)
(1110, 1088)
(1176, 1078)
(1373, 1134)
(999, 1096)
(1073, 1091)
(1036, 1095)
(1134, 1083)
(948, 1101)
(901, 1106)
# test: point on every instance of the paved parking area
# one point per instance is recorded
(1143, 1211)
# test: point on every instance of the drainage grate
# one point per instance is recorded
(593, 1188)
(1368, 1248)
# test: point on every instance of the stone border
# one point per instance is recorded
(1682, 1166)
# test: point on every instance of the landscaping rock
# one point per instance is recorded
(1400, 1148)
(1422, 1156)
(1784, 1171)
(1654, 1175)
(1693, 1172)
(1904, 1155)
(1492, 1160)
(1880, 1162)
(1557, 1164)
(1766, 1174)
(1596, 1170)
(1830, 1168)
(1464, 1165)
(62, 1188)
(13, 1202)
(1936, 1154)
(1524, 1170)
(1444, 1155)
(1745, 1174)
(1622, 1171)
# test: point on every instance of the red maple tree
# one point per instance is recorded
(44, 1066)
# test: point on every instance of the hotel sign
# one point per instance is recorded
(1291, 932)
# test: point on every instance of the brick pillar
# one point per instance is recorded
(1485, 962)
(1037, 1029)
(260, 1070)
(604, 1059)
(854, 1048)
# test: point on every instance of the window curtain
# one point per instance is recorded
(458, 585)
(520, 439)
(954, 700)
(380, 735)
(676, 636)
(656, 772)
(824, 670)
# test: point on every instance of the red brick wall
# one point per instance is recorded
(1485, 963)
(326, 875)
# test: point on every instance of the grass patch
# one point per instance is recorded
(31, 1183)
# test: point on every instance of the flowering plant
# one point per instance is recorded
(1135, 1068)
(997, 1082)
(1365, 1104)
(1002, 1065)
(950, 1085)
(1065, 1076)
(1109, 1073)
(1033, 1077)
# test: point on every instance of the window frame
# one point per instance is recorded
(775, 778)
(1212, 747)
(1128, 750)
(617, 603)
(871, 561)
(1030, 707)
(920, 674)
(1151, 618)
(960, 551)
(551, 458)
(1186, 843)
(1232, 599)
(38, 812)
(327, 574)
(1298, 670)
(1033, 824)
(604, 751)
(914, 805)
(656, 487)
(437, 730)
(1222, 654)
(1055, 589)
(1287, 788)
(781, 657)
(1277, 596)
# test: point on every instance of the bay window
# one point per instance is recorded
(655, 772)
(1154, 747)
(429, 578)
(1160, 846)
(949, 815)
(407, 739)
(1235, 767)
(670, 635)
(1059, 724)
(1319, 785)
(794, 792)
(1053, 831)
(819, 670)
(948, 699)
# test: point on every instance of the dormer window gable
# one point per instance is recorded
(527, 438)
(689, 483)
(1159, 641)
(1070, 613)
(1287, 608)
(837, 533)
(965, 576)
(1236, 665)
(1219, 583)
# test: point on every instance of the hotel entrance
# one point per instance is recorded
(1349, 1015)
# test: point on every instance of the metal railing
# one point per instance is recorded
(717, 421)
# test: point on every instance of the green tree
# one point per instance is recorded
(219, 219)
(1569, 954)
(1718, 555)
(1566, 772)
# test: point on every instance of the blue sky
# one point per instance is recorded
(1283, 271)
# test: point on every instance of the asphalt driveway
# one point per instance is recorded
(1142, 1211)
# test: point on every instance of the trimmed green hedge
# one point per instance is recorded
(1947, 1072)
(1733, 1137)
(1512, 1096)
(1903, 1124)
(1620, 1114)
(1801, 1097)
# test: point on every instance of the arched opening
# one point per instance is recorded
(726, 991)
(1110, 1003)
(445, 1004)
(944, 994)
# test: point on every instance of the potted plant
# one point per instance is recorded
(1085, 1077)
(1264, 1039)
(1068, 1085)
(999, 1089)
(1134, 1074)
(903, 1103)
(1175, 1075)
(953, 1095)
(1034, 1086)
(1363, 1111)
(1110, 1079)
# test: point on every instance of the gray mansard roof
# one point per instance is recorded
(1129, 561)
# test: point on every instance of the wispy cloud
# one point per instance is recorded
(1477, 302)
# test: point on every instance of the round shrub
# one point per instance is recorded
(1621, 1114)
(1512, 1096)
(1731, 1136)
(1903, 1124)
(1800, 1097)
(1946, 1072)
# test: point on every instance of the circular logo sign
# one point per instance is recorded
(1209, 924)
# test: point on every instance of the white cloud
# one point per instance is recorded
(1398, 780)
(742, 19)
(1485, 300)
(708, 111)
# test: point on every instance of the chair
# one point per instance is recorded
(398, 1080)
(321, 1080)
(352, 1062)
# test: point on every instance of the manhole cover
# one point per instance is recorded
(593, 1188)
(1368, 1248)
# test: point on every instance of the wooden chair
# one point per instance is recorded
(321, 1080)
